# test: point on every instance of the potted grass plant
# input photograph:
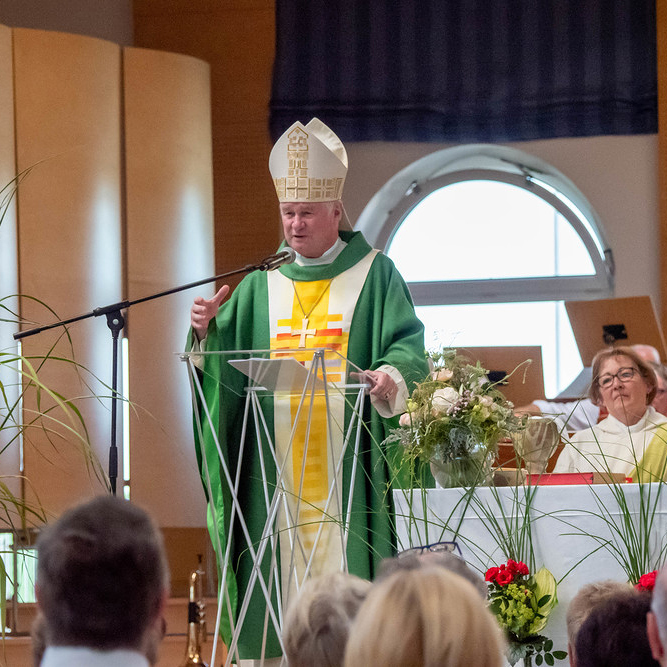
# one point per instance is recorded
(628, 516)
(49, 413)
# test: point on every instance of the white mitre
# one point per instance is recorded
(308, 164)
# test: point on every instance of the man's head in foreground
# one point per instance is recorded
(102, 576)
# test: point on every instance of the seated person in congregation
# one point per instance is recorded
(102, 584)
(424, 616)
(572, 416)
(632, 440)
(614, 634)
(318, 623)
(581, 605)
(417, 557)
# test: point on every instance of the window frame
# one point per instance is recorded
(389, 208)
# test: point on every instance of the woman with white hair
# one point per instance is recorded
(319, 621)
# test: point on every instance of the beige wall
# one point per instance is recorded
(67, 102)
(169, 227)
(237, 40)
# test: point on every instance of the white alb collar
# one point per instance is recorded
(651, 418)
(326, 257)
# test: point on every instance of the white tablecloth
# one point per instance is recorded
(563, 519)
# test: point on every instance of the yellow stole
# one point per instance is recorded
(321, 315)
(653, 464)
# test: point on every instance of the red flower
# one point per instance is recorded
(504, 577)
(491, 574)
(646, 581)
(505, 574)
(517, 567)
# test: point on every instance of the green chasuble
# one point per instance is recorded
(383, 330)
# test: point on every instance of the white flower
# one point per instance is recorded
(444, 399)
(405, 419)
(443, 375)
(486, 401)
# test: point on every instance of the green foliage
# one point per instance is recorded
(539, 651)
(630, 536)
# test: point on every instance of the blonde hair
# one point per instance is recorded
(427, 617)
(319, 621)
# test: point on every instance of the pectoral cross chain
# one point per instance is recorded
(303, 332)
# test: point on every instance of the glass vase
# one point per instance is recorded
(471, 470)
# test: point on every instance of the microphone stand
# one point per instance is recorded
(116, 322)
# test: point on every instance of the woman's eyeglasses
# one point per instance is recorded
(624, 374)
(435, 548)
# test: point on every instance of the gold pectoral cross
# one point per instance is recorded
(303, 332)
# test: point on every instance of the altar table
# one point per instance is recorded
(564, 518)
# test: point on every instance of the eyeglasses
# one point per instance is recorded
(436, 547)
(624, 374)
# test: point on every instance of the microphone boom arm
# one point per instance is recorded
(116, 322)
(268, 264)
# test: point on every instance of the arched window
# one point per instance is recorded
(491, 242)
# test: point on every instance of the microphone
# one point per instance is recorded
(286, 256)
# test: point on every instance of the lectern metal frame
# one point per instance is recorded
(275, 492)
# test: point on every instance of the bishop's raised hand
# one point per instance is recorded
(204, 309)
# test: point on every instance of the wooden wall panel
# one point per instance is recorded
(9, 458)
(68, 129)
(169, 225)
(237, 40)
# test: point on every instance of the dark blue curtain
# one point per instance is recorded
(466, 70)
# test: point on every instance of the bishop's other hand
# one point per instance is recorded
(381, 384)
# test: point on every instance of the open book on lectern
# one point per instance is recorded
(285, 374)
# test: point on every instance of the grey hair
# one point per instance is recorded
(318, 623)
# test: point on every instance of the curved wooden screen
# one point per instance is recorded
(169, 213)
(117, 205)
(67, 90)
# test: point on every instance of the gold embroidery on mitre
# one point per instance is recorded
(296, 183)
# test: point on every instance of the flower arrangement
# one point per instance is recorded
(521, 603)
(647, 581)
(456, 416)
